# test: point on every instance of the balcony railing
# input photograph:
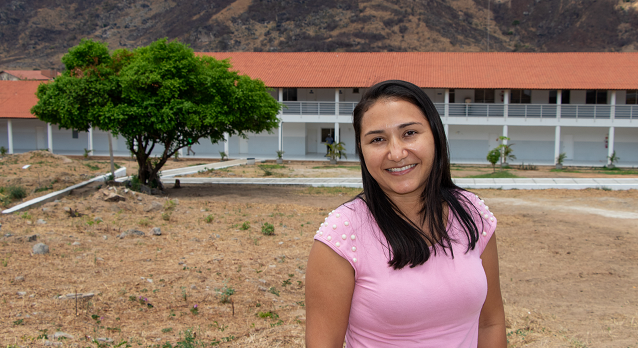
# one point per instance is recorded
(532, 111)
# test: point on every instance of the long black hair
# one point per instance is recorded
(407, 243)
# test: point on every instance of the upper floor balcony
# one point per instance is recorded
(311, 111)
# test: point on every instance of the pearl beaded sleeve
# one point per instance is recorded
(485, 221)
(337, 232)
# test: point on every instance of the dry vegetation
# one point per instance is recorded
(568, 266)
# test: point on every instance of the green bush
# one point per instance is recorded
(245, 226)
(268, 229)
(16, 192)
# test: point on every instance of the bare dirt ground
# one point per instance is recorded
(568, 258)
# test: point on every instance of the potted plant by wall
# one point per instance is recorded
(280, 157)
(336, 150)
(223, 155)
(560, 159)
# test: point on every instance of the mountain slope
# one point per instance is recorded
(36, 33)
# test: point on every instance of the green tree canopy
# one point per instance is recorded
(157, 96)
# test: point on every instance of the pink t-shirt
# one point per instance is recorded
(436, 304)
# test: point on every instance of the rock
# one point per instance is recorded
(40, 248)
(53, 344)
(139, 198)
(105, 237)
(46, 210)
(261, 288)
(22, 293)
(145, 189)
(98, 219)
(67, 209)
(41, 222)
(105, 339)
(156, 231)
(177, 184)
(114, 197)
(76, 243)
(155, 206)
(131, 232)
(19, 279)
(60, 334)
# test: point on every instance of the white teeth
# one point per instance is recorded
(402, 168)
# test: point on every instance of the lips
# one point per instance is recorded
(401, 169)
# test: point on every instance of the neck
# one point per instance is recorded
(409, 204)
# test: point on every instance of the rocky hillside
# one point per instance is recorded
(36, 33)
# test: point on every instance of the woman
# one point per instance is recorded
(412, 261)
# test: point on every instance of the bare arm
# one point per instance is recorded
(329, 288)
(492, 319)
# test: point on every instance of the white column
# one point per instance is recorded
(446, 100)
(505, 134)
(281, 136)
(336, 106)
(226, 148)
(281, 124)
(559, 101)
(50, 137)
(610, 144)
(337, 132)
(503, 159)
(10, 136)
(612, 111)
(506, 102)
(556, 144)
(90, 141)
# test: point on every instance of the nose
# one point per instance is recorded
(396, 150)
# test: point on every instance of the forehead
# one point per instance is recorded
(390, 113)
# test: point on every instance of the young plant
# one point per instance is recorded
(560, 159)
(613, 159)
(3, 151)
(194, 310)
(280, 154)
(225, 293)
(493, 157)
(268, 229)
(337, 150)
(245, 226)
(223, 155)
(87, 153)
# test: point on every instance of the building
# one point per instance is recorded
(28, 75)
(580, 104)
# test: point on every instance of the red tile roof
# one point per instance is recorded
(17, 98)
(27, 74)
(497, 70)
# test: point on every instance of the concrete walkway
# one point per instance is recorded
(505, 184)
(196, 169)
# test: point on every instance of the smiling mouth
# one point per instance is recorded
(395, 170)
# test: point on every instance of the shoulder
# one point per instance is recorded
(480, 212)
(341, 230)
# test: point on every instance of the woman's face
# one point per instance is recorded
(398, 147)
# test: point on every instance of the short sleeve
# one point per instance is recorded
(483, 218)
(338, 233)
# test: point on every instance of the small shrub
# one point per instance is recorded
(167, 330)
(194, 310)
(245, 226)
(136, 184)
(225, 293)
(3, 151)
(223, 155)
(209, 219)
(273, 291)
(144, 222)
(16, 192)
(268, 314)
(524, 166)
(170, 204)
(87, 153)
(166, 216)
(268, 229)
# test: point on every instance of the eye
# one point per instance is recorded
(410, 133)
(376, 140)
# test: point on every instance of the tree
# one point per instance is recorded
(506, 150)
(156, 97)
(493, 156)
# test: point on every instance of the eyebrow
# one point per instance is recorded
(401, 126)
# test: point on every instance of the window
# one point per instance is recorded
(484, 96)
(596, 96)
(564, 97)
(451, 96)
(75, 134)
(290, 94)
(325, 132)
(355, 91)
(632, 96)
(521, 96)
